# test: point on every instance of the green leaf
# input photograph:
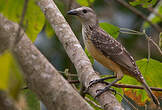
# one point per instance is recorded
(4, 70)
(89, 56)
(110, 29)
(144, 3)
(34, 18)
(16, 80)
(32, 100)
(152, 74)
(85, 2)
(11, 79)
(154, 19)
(49, 30)
(93, 100)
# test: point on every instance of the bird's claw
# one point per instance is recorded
(91, 83)
(101, 91)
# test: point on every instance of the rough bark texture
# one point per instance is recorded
(76, 54)
(6, 103)
(42, 78)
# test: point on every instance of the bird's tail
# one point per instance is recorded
(151, 95)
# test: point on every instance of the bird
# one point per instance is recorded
(108, 51)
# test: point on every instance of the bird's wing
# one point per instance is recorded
(114, 50)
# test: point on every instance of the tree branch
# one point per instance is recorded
(6, 103)
(138, 13)
(41, 77)
(124, 86)
(77, 55)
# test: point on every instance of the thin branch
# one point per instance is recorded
(21, 21)
(154, 12)
(160, 40)
(124, 86)
(149, 52)
(127, 101)
(140, 14)
(129, 31)
(23, 13)
(156, 45)
(92, 102)
(77, 55)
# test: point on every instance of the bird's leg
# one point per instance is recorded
(100, 91)
(100, 80)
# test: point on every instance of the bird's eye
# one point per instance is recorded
(84, 11)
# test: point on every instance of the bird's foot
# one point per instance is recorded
(101, 91)
(95, 82)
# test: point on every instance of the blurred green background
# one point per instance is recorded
(110, 11)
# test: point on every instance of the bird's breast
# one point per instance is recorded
(97, 54)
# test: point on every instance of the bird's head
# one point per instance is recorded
(85, 14)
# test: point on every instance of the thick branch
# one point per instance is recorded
(6, 103)
(42, 78)
(76, 54)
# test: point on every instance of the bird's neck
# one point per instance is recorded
(87, 30)
(89, 26)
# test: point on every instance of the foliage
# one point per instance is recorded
(89, 56)
(110, 29)
(152, 73)
(92, 99)
(144, 3)
(34, 18)
(85, 2)
(153, 18)
(11, 78)
(32, 100)
(49, 30)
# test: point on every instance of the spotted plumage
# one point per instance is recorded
(107, 50)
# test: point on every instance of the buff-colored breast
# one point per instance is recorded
(97, 55)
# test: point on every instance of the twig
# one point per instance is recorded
(156, 45)
(129, 31)
(92, 102)
(153, 11)
(73, 81)
(137, 12)
(160, 40)
(21, 21)
(149, 53)
(129, 103)
(148, 46)
(69, 74)
(124, 86)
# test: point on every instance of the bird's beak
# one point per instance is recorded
(72, 12)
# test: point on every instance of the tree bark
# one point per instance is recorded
(6, 103)
(41, 77)
(76, 54)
